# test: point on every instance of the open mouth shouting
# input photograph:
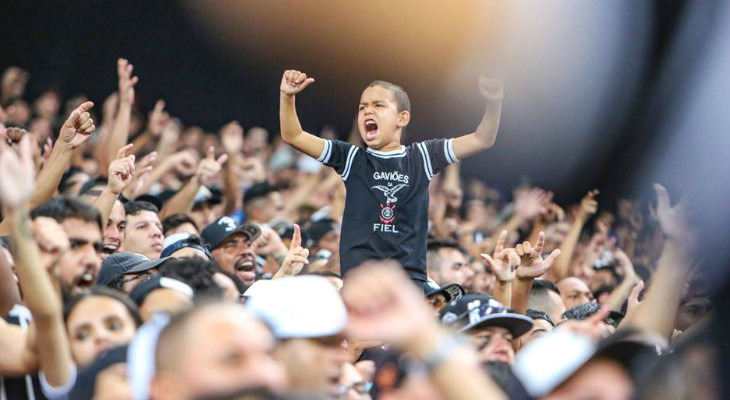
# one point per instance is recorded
(85, 280)
(371, 129)
(246, 269)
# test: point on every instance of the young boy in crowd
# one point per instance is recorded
(386, 210)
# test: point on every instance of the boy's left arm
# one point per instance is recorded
(486, 133)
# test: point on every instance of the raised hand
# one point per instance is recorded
(14, 134)
(79, 126)
(209, 167)
(183, 162)
(492, 89)
(672, 220)
(503, 261)
(531, 202)
(17, 183)
(158, 119)
(296, 258)
(294, 82)
(141, 170)
(384, 305)
(121, 170)
(589, 204)
(232, 138)
(531, 263)
(126, 81)
(269, 243)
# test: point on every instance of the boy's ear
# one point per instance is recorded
(404, 117)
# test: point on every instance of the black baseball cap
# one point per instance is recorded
(214, 234)
(124, 263)
(451, 292)
(476, 310)
(319, 228)
(258, 190)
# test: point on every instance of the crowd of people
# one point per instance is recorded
(145, 259)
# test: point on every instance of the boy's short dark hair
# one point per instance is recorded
(544, 284)
(135, 207)
(63, 208)
(400, 95)
(173, 221)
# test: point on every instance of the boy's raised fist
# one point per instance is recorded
(294, 82)
(492, 89)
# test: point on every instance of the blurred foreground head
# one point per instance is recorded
(214, 349)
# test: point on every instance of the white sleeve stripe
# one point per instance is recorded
(348, 164)
(425, 165)
(446, 152)
(326, 152)
(428, 159)
(450, 148)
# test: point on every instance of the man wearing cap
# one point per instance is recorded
(308, 317)
(231, 247)
(185, 245)
(324, 234)
(124, 271)
(438, 296)
(262, 203)
(490, 325)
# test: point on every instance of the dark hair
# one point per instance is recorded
(63, 208)
(90, 184)
(195, 272)
(535, 314)
(173, 221)
(582, 311)
(400, 95)
(544, 284)
(603, 289)
(103, 291)
(258, 191)
(135, 207)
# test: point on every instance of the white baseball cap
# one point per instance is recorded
(299, 307)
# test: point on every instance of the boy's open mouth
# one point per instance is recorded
(371, 129)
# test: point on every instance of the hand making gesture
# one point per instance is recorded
(531, 264)
(79, 126)
(296, 259)
(503, 261)
(294, 82)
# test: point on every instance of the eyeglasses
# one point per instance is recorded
(360, 387)
(141, 277)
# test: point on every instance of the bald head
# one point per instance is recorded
(214, 349)
(574, 292)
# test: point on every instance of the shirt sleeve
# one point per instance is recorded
(338, 155)
(57, 393)
(436, 154)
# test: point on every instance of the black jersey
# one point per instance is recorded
(386, 209)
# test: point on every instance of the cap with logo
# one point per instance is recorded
(451, 292)
(214, 234)
(476, 310)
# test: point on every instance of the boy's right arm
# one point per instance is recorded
(292, 83)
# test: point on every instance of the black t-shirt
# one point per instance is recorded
(386, 209)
